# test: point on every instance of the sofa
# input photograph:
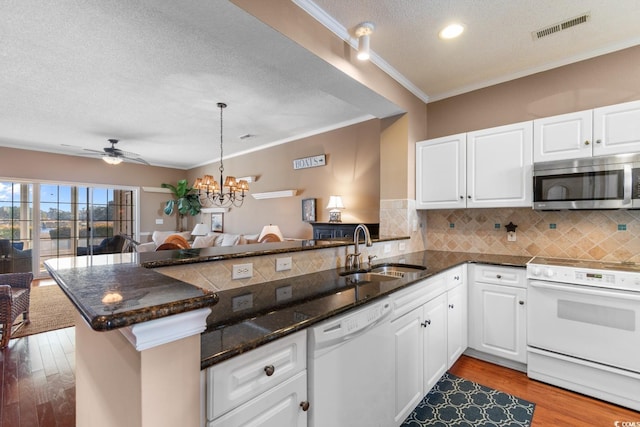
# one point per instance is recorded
(110, 245)
(210, 240)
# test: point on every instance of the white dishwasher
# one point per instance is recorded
(351, 380)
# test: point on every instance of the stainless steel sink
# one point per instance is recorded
(397, 270)
(356, 278)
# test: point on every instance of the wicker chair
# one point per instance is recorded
(15, 290)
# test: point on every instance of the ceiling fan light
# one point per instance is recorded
(112, 160)
(451, 31)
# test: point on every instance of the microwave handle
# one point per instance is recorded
(628, 185)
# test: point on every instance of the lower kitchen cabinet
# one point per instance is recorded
(497, 311)
(280, 406)
(264, 387)
(429, 334)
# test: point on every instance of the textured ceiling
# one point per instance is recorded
(75, 73)
(150, 72)
(497, 44)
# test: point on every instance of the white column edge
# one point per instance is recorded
(157, 332)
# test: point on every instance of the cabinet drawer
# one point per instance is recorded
(236, 381)
(511, 276)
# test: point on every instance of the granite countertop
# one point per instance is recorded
(215, 253)
(113, 291)
(313, 298)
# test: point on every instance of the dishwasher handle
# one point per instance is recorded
(349, 326)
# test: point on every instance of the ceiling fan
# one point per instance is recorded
(114, 156)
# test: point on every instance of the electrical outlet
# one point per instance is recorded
(242, 271)
(283, 293)
(242, 302)
(283, 264)
(511, 236)
(159, 221)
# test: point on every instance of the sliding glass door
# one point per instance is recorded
(52, 220)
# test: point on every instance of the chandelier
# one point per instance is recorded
(232, 192)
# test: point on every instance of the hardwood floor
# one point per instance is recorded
(554, 406)
(38, 380)
(38, 387)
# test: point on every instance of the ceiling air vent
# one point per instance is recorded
(561, 26)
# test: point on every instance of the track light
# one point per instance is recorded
(363, 32)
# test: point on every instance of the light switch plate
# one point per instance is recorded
(242, 271)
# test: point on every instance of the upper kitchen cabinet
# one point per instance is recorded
(441, 172)
(483, 169)
(614, 129)
(499, 166)
(567, 136)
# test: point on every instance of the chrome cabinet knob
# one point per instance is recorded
(425, 323)
(269, 370)
(304, 405)
(587, 142)
(598, 141)
(521, 302)
(499, 276)
(450, 305)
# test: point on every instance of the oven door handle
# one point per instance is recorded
(586, 290)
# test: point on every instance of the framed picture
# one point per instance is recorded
(217, 222)
(309, 210)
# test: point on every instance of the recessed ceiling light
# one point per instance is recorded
(451, 31)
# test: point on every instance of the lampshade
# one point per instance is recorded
(112, 160)
(335, 204)
(270, 229)
(200, 230)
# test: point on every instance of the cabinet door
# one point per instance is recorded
(616, 129)
(408, 362)
(435, 341)
(456, 323)
(499, 326)
(440, 173)
(278, 407)
(567, 136)
(499, 166)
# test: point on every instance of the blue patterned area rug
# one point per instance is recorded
(454, 401)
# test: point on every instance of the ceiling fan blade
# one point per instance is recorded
(93, 151)
(137, 159)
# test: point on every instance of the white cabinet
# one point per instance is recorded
(497, 311)
(567, 136)
(441, 172)
(481, 169)
(278, 407)
(499, 166)
(267, 385)
(429, 330)
(614, 129)
(457, 336)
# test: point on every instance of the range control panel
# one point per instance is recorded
(624, 280)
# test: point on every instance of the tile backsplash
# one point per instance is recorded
(598, 235)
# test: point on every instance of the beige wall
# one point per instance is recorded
(352, 170)
(397, 177)
(605, 80)
(46, 167)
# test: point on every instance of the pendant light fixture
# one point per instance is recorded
(232, 192)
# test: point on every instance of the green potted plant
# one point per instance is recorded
(185, 201)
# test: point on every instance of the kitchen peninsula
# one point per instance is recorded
(140, 346)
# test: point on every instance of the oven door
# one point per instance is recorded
(595, 324)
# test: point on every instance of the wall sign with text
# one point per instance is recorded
(310, 162)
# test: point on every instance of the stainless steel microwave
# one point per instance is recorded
(611, 182)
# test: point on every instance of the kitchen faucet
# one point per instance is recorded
(353, 260)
